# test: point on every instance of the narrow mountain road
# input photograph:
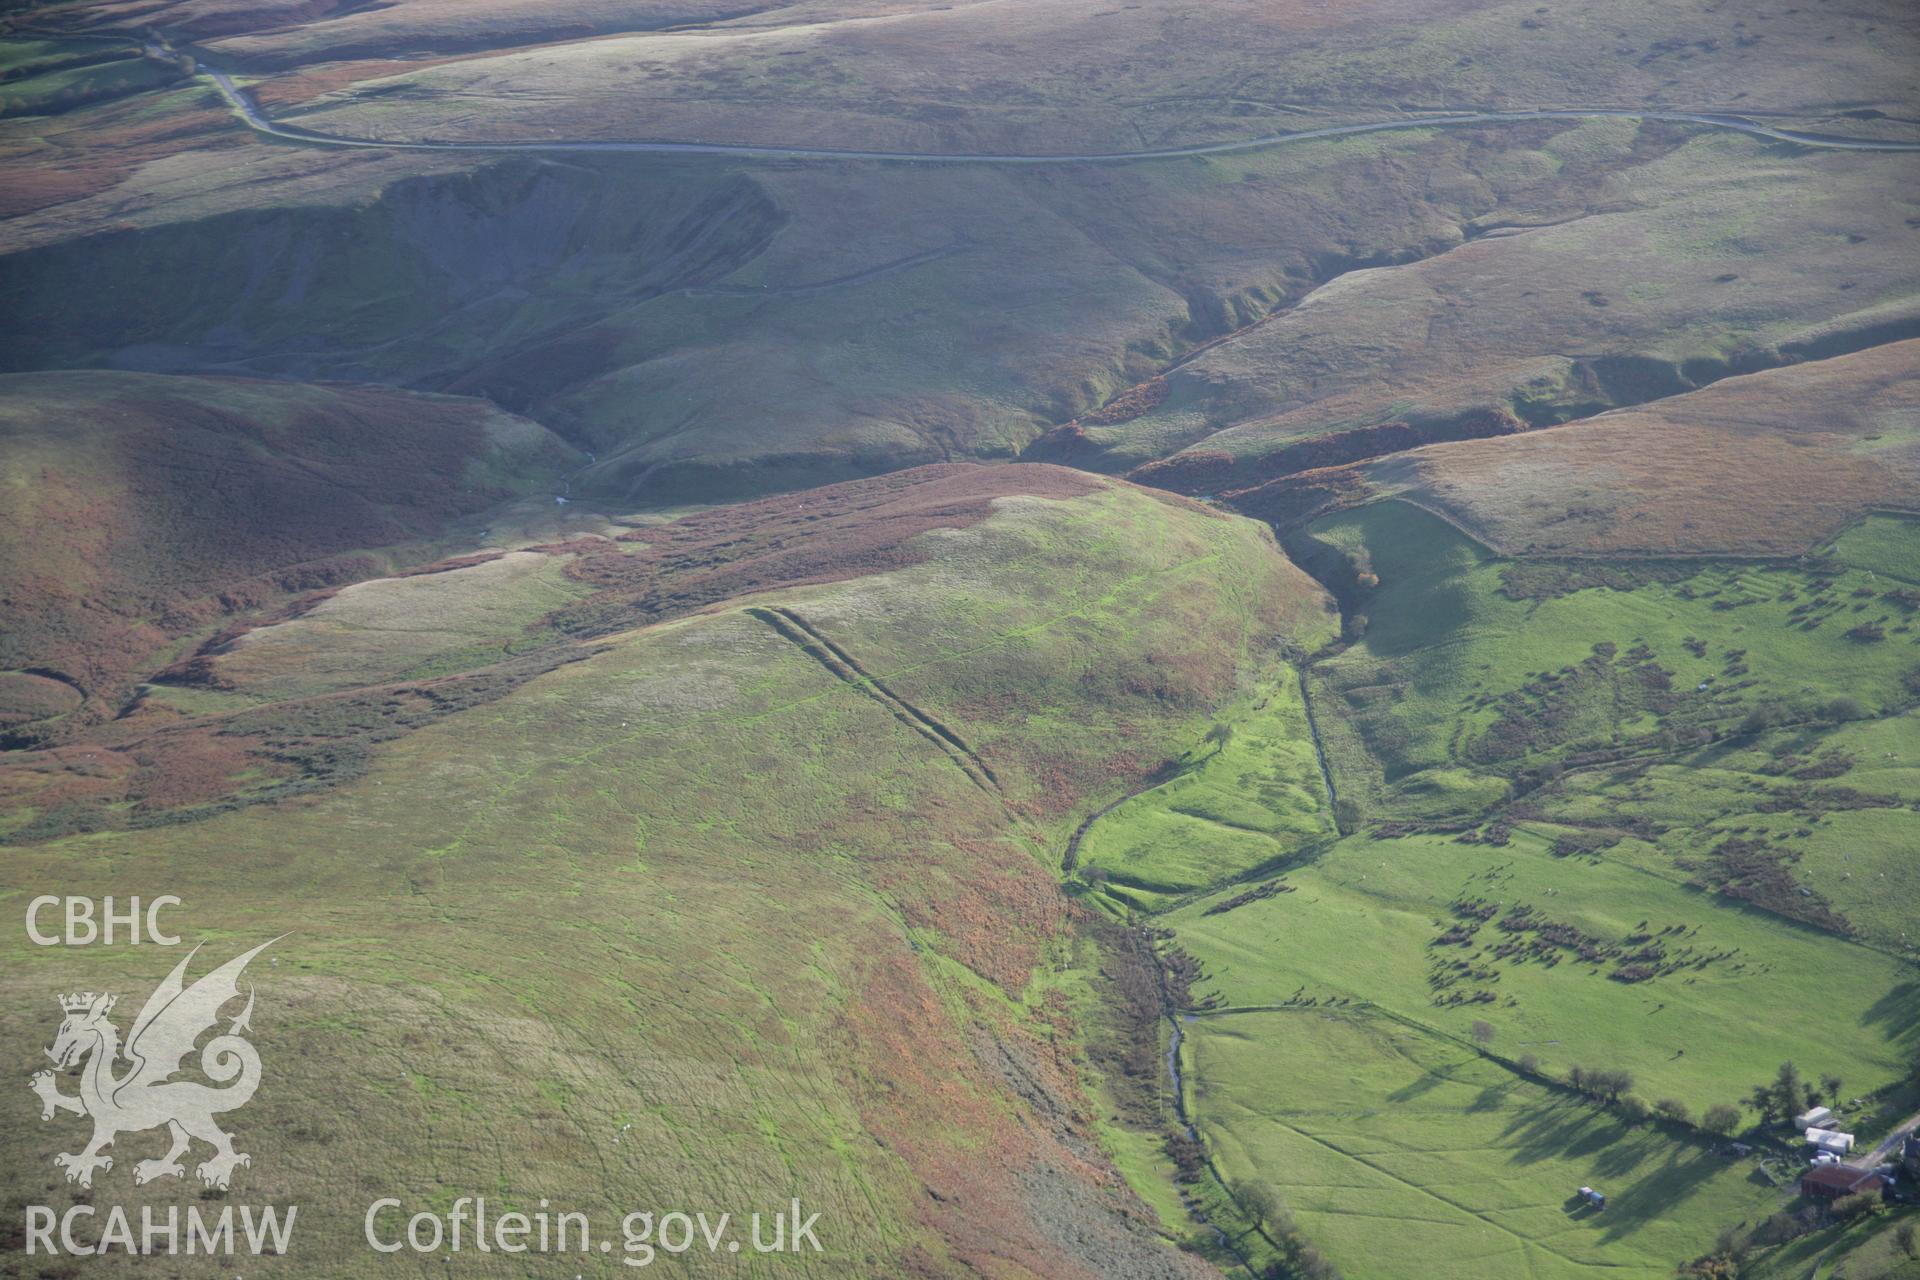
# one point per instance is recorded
(259, 122)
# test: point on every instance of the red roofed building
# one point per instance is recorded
(1831, 1181)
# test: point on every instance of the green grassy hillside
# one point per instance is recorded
(1687, 1032)
(1235, 806)
(1473, 670)
(607, 954)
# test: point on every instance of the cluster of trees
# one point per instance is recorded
(1347, 815)
(1787, 1095)
(1299, 1259)
(1737, 1244)
(1598, 1082)
(1834, 711)
(1858, 1205)
(1614, 1088)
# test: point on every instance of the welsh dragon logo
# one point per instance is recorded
(145, 1095)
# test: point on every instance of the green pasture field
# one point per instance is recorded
(1406, 1155)
(1255, 800)
(38, 77)
(1363, 926)
(1855, 862)
(1678, 808)
(1449, 652)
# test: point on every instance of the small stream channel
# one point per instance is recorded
(1173, 1074)
(1175, 1021)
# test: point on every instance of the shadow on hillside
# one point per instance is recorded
(1494, 1097)
(1611, 1153)
(1444, 610)
(1565, 1130)
(1424, 1085)
(1658, 1194)
(1897, 1013)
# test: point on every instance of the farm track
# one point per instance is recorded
(261, 123)
(1889, 1147)
(797, 630)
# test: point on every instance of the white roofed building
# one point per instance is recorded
(1831, 1140)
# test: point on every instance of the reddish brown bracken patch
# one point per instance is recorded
(1764, 464)
(450, 564)
(308, 83)
(1129, 404)
(1295, 500)
(819, 535)
(94, 149)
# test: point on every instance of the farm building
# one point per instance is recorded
(1831, 1181)
(1831, 1140)
(1814, 1118)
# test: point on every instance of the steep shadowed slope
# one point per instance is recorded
(138, 509)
